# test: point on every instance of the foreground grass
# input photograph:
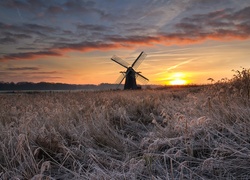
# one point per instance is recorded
(166, 134)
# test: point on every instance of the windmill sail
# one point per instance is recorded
(141, 78)
(120, 79)
(119, 61)
(139, 60)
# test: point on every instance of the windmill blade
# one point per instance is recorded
(120, 79)
(141, 78)
(119, 61)
(139, 60)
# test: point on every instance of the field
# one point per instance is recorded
(178, 133)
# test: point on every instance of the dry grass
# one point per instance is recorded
(164, 134)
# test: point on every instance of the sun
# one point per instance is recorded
(178, 82)
(177, 79)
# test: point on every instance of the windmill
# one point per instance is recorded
(130, 75)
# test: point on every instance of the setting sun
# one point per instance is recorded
(178, 82)
(177, 79)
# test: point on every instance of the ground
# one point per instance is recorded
(175, 133)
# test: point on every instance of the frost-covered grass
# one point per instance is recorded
(185, 133)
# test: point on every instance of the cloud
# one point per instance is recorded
(22, 68)
(25, 30)
(4, 73)
(139, 40)
(27, 48)
(71, 7)
(38, 28)
(14, 4)
(55, 9)
(223, 25)
(86, 46)
(219, 25)
(28, 73)
(78, 6)
(243, 14)
(31, 5)
(7, 40)
(40, 8)
(40, 72)
(28, 55)
(92, 27)
(11, 38)
(60, 49)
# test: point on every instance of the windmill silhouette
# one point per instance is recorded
(130, 75)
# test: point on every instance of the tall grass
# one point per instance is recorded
(163, 134)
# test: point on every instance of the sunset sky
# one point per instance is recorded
(72, 41)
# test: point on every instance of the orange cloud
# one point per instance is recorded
(130, 42)
(87, 46)
(220, 25)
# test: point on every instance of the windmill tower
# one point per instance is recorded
(130, 75)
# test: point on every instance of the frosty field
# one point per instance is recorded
(179, 133)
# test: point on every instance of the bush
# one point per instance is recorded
(241, 81)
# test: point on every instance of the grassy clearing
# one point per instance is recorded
(165, 134)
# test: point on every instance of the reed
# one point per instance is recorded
(148, 134)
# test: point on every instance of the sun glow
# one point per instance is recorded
(177, 79)
(178, 82)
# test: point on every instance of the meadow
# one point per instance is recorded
(178, 133)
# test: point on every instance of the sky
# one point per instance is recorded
(72, 41)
